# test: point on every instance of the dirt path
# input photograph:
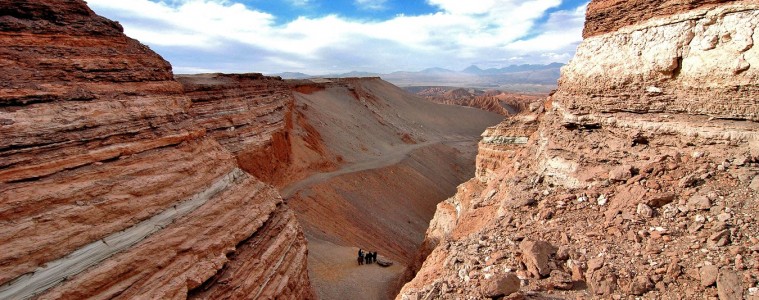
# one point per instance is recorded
(333, 269)
(387, 159)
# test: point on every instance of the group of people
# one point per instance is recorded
(366, 257)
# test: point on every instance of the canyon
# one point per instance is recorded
(637, 178)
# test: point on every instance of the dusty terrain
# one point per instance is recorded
(395, 156)
(637, 179)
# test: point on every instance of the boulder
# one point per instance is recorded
(560, 280)
(699, 202)
(708, 275)
(729, 285)
(621, 173)
(640, 285)
(535, 255)
(501, 285)
(384, 262)
(755, 184)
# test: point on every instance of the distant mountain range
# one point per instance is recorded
(520, 78)
(511, 69)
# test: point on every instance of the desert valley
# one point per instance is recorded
(636, 177)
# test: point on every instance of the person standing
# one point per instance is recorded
(360, 257)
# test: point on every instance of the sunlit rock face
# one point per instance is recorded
(110, 184)
(638, 179)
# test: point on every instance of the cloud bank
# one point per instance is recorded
(228, 36)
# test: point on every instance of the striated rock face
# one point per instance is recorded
(610, 15)
(500, 143)
(696, 62)
(635, 179)
(109, 188)
(249, 114)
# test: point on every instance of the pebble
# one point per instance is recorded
(724, 217)
(602, 200)
(645, 210)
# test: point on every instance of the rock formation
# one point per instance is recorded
(637, 177)
(249, 114)
(503, 103)
(115, 184)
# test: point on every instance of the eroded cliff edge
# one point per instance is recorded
(637, 178)
(115, 184)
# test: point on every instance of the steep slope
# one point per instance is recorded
(395, 156)
(108, 188)
(638, 179)
(249, 114)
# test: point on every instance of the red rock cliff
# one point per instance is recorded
(638, 179)
(109, 188)
(249, 114)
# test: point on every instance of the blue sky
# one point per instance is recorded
(334, 36)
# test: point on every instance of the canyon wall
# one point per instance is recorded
(115, 184)
(249, 114)
(637, 178)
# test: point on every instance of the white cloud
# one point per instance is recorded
(460, 33)
(563, 28)
(300, 2)
(370, 4)
(465, 7)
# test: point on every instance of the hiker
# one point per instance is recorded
(374, 256)
(361, 257)
(368, 258)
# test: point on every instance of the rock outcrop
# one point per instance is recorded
(636, 178)
(248, 114)
(503, 103)
(113, 186)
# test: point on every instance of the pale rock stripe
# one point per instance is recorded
(54, 272)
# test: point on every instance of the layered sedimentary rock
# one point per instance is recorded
(108, 188)
(500, 143)
(249, 114)
(696, 62)
(639, 179)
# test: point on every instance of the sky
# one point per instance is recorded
(338, 36)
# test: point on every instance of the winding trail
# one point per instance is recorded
(332, 267)
(387, 159)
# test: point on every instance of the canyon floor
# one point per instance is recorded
(386, 159)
